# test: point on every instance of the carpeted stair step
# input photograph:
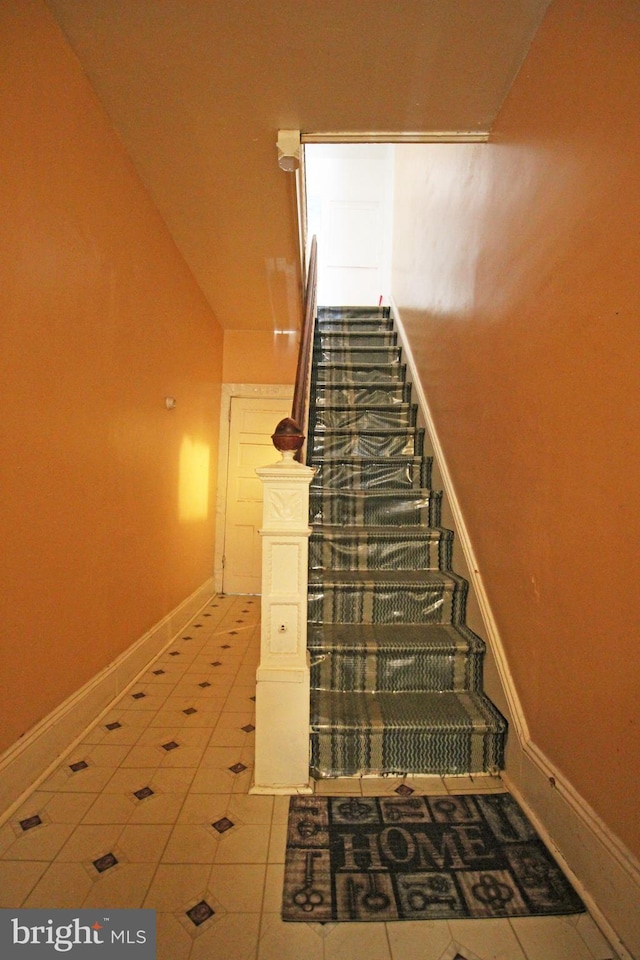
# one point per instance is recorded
(358, 325)
(372, 474)
(395, 657)
(352, 316)
(375, 507)
(347, 373)
(386, 596)
(346, 339)
(374, 392)
(355, 310)
(369, 416)
(407, 442)
(359, 733)
(380, 548)
(356, 356)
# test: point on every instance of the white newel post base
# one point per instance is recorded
(282, 690)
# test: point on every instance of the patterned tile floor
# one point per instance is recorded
(152, 809)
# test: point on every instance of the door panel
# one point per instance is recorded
(349, 190)
(252, 422)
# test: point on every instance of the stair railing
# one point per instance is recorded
(300, 408)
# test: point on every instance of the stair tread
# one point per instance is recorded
(358, 710)
(361, 385)
(420, 492)
(357, 461)
(363, 366)
(417, 532)
(393, 431)
(392, 636)
(382, 577)
(393, 464)
(402, 405)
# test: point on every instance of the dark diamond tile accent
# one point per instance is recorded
(174, 653)
(196, 625)
(105, 862)
(31, 822)
(239, 621)
(216, 663)
(214, 605)
(171, 745)
(223, 825)
(113, 726)
(245, 611)
(226, 646)
(206, 614)
(80, 765)
(201, 912)
(237, 768)
(189, 711)
(158, 673)
(233, 633)
(204, 684)
(187, 638)
(138, 696)
(248, 728)
(143, 793)
(404, 791)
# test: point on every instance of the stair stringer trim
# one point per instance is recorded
(609, 880)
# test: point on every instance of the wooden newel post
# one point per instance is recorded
(282, 691)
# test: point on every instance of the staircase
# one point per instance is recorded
(396, 675)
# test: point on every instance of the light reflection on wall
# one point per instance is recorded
(193, 492)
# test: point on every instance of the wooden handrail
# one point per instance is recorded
(300, 408)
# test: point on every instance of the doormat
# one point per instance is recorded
(418, 858)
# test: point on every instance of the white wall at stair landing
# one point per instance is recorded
(349, 209)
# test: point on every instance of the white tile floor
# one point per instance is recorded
(138, 815)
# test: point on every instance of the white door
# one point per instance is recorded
(349, 208)
(252, 422)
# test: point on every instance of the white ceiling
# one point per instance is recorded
(197, 90)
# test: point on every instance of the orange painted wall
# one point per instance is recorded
(107, 498)
(516, 274)
(253, 356)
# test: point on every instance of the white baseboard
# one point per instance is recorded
(605, 873)
(602, 870)
(35, 755)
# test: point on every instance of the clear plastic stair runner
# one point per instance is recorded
(396, 674)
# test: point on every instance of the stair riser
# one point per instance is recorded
(359, 418)
(368, 475)
(359, 396)
(340, 374)
(340, 340)
(374, 509)
(363, 325)
(362, 554)
(398, 752)
(336, 443)
(360, 603)
(355, 314)
(393, 671)
(356, 356)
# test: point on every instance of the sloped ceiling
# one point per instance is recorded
(197, 90)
